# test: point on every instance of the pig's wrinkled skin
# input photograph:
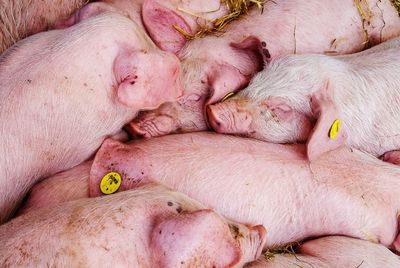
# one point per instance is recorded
(64, 91)
(148, 227)
(213, 66)
(343, 192)
(333, 252)
(282, 102)
(22, 18)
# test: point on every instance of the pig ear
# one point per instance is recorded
(255, 50)
(177, 241)
(99, 167)
(160, 23)
(223, 79)
(89, 10)
(328, 133)
(279, 108)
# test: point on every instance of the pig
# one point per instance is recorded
(147, 227)
(298, 98)
(20, 19)
(343, 192)
(333, 251)
(216, 65)
(24, 18)
(158, 17)
(64, 91)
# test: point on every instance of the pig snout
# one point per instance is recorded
(225, 118)
(154, 123)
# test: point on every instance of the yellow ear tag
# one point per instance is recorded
(335, 128)
(227, 96)
(110, 183)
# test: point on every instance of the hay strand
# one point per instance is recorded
(396, 4)
(289, 250)
(236, 9)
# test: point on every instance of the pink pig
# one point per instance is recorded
(64, 91)
(214, 66)
(343, 192)
(333, 251)
(147, 227)
(299, 97)
(20, 19)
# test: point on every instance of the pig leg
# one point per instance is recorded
(392, 157)
(89, 10)
(332, 251)
(171, 117)
(339, 251)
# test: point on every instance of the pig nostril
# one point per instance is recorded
(135, 130)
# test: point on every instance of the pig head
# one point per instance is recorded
(147, 227)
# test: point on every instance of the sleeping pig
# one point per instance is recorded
(344, 192)
(216, 65)
(303, 97)
(147, 227)
(64, 91)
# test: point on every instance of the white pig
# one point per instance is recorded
(299, 97)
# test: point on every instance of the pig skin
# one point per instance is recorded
(282, 102)
(64, 91)
(20, 19)
(344, 192)
(333, 252)
(216, 65)
(147, 227)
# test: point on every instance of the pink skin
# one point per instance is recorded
(212, 67)
(297, 99)
(333, 251)
(82, 85)
(147, 227)
(260, 183)
(158, 17)
(20, 19)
